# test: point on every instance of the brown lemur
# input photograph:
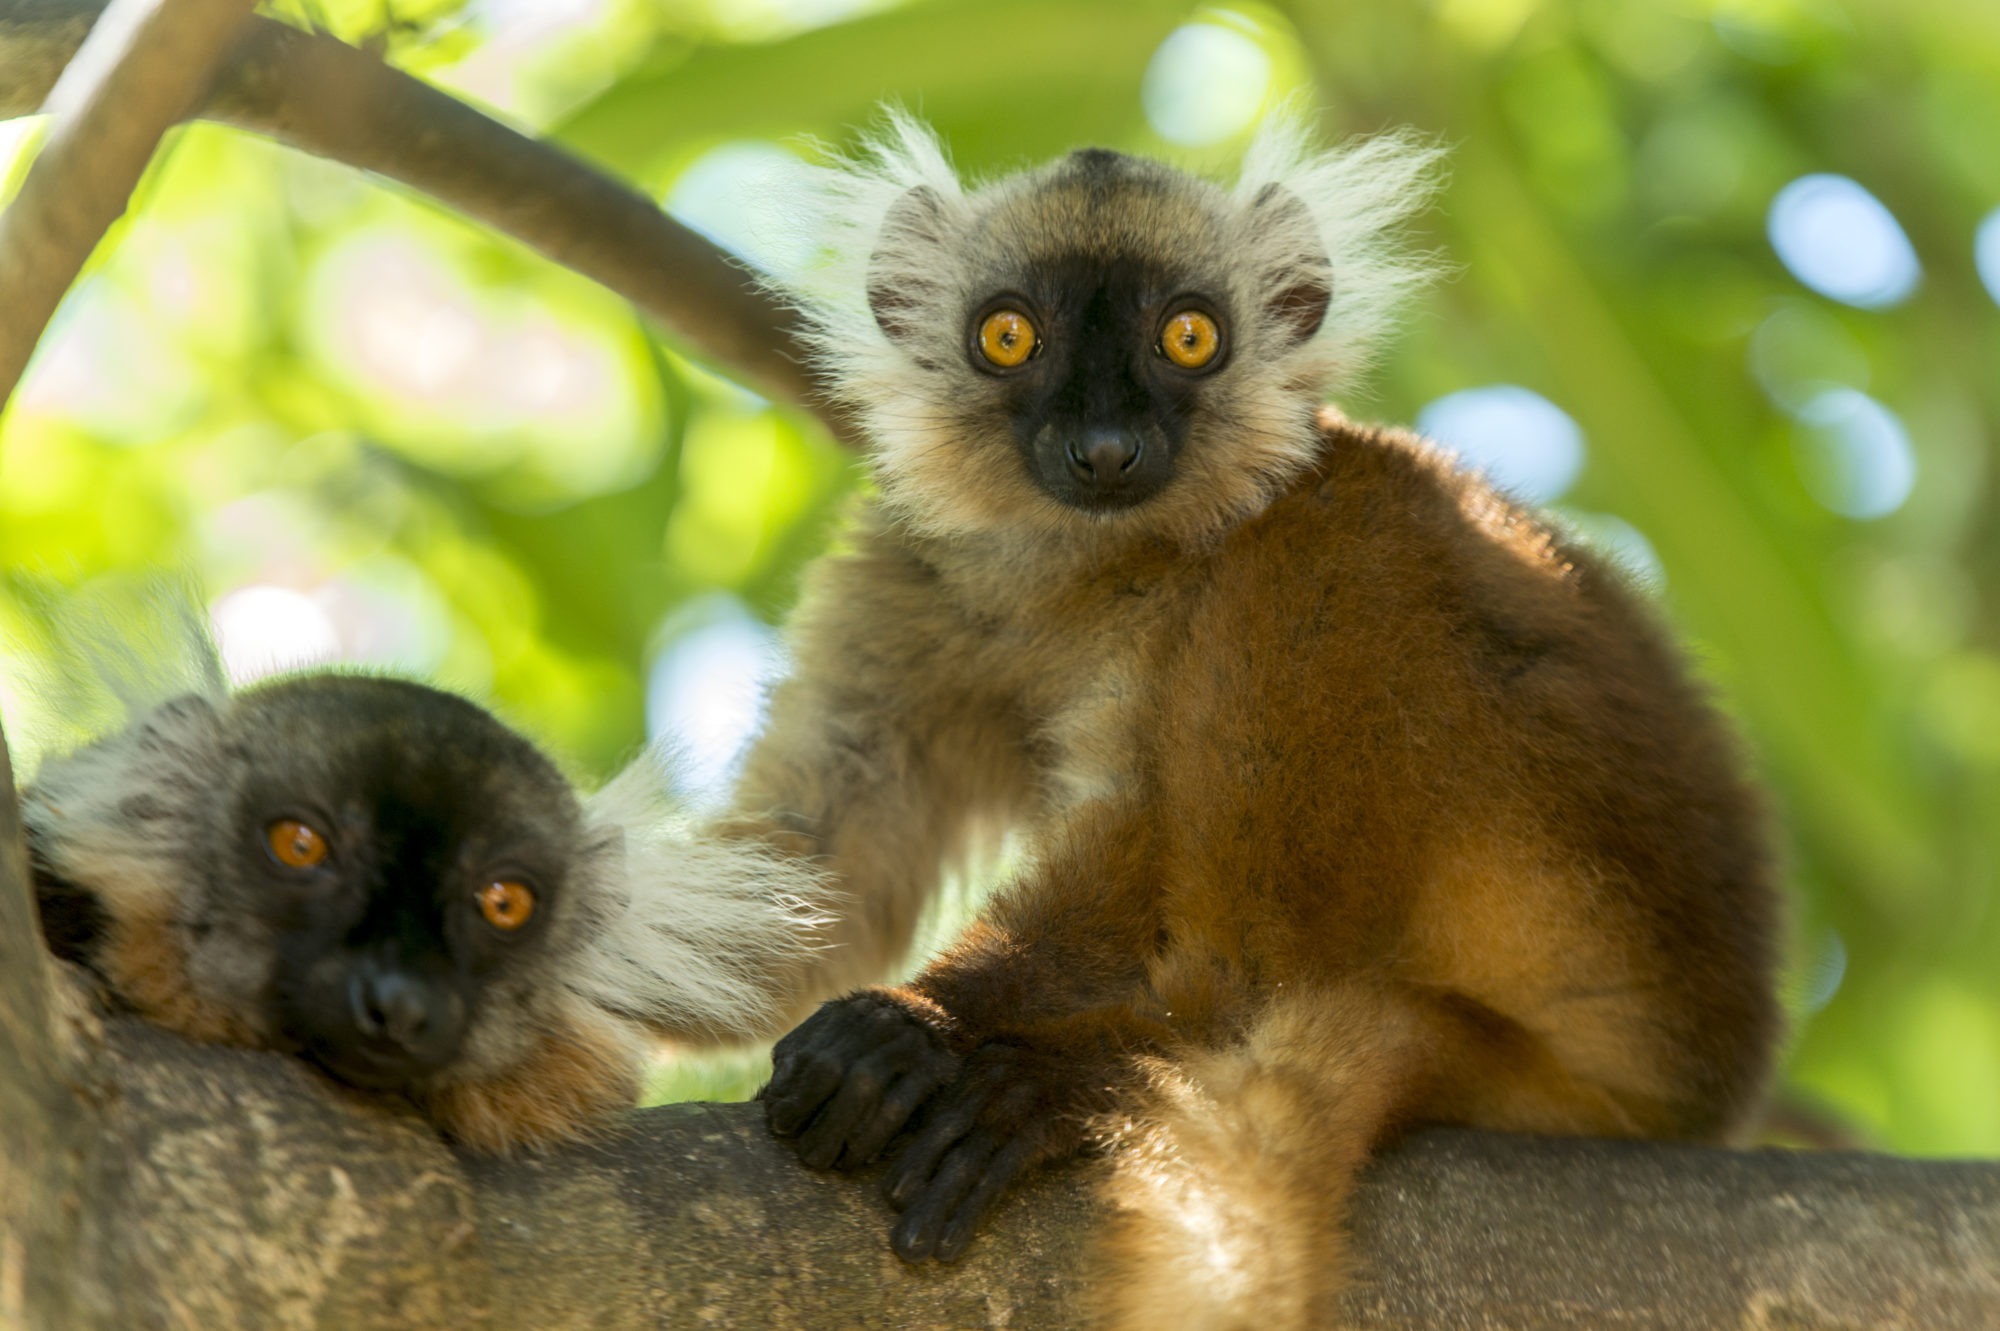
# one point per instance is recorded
(1356, 796)
(385, 879)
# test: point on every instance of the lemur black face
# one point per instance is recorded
(1100, 362)
(398, 867)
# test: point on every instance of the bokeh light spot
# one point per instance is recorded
(15, 136)
(705, 691)
(1800, 351)
(1986, 253)
(103, 365)
(1840, 240)
(1517, 438)
(263, 630)
(1821, 979)
(1623, 544)
(1854, 454)
(1204, 84)
(727, 194)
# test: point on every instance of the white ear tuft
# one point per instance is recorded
(861, 242)
(114, 655)
(1354, 200)
(698, 937)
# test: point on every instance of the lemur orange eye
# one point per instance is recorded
(1190, 339)
(1007, 338)
(506, 904)
(295, 844)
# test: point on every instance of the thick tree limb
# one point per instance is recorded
(145, 1181)
(326, 98)
(145, 65)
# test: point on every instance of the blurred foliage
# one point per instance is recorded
(478, 467)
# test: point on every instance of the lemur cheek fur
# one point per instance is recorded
(1350, 795)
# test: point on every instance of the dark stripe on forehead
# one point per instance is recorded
(1064, 283)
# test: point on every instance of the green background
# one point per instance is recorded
(279, 372)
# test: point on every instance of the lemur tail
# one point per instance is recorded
(1232, 1180)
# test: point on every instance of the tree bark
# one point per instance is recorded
(149, 1182)
(327, 98)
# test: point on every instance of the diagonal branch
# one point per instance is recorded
(144, 65)
(327, 98)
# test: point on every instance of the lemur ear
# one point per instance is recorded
(1303, 276)
(914, 223)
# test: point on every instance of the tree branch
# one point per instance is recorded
(143, 67)
(145, 1181)
(326, 98)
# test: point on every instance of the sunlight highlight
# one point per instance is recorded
(1516, 438)
(1206, 83)
(1838, 239)
(705, 692)
(266, 630)
(728, 193)
(1986, 253)
(1854, 454)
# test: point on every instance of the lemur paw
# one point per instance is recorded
(850, 1076)
(1010, 1109)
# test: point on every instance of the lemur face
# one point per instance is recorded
(1100, 364)
(403, 852)
(1101, 349)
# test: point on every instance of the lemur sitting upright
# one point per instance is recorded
(1357, 796)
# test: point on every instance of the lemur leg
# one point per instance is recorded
(1234, 1166)
(879, 761)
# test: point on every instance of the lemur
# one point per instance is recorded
(1356, 795)
(385, 879)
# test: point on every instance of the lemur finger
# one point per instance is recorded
(859, 1100)
(800, 1084)
(949, 1122)
(903, 1100)
(1006, 1165)
(809, 1065)
(821, 1141)
(915, 1236)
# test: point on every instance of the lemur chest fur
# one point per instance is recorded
(1073, 652)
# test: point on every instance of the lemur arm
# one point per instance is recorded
(1012, 1040)
(881, 761)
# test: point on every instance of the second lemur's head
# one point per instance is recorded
(387, 880)
(407, 858)
(369, 872)
(1105, 342)
(365, 870)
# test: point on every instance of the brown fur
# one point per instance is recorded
(569, 1081)
(1384, 807)
(144, 958)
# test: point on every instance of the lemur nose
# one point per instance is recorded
(1102, 457)
(390, 1004)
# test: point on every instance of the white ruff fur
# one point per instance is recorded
(694, 932)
